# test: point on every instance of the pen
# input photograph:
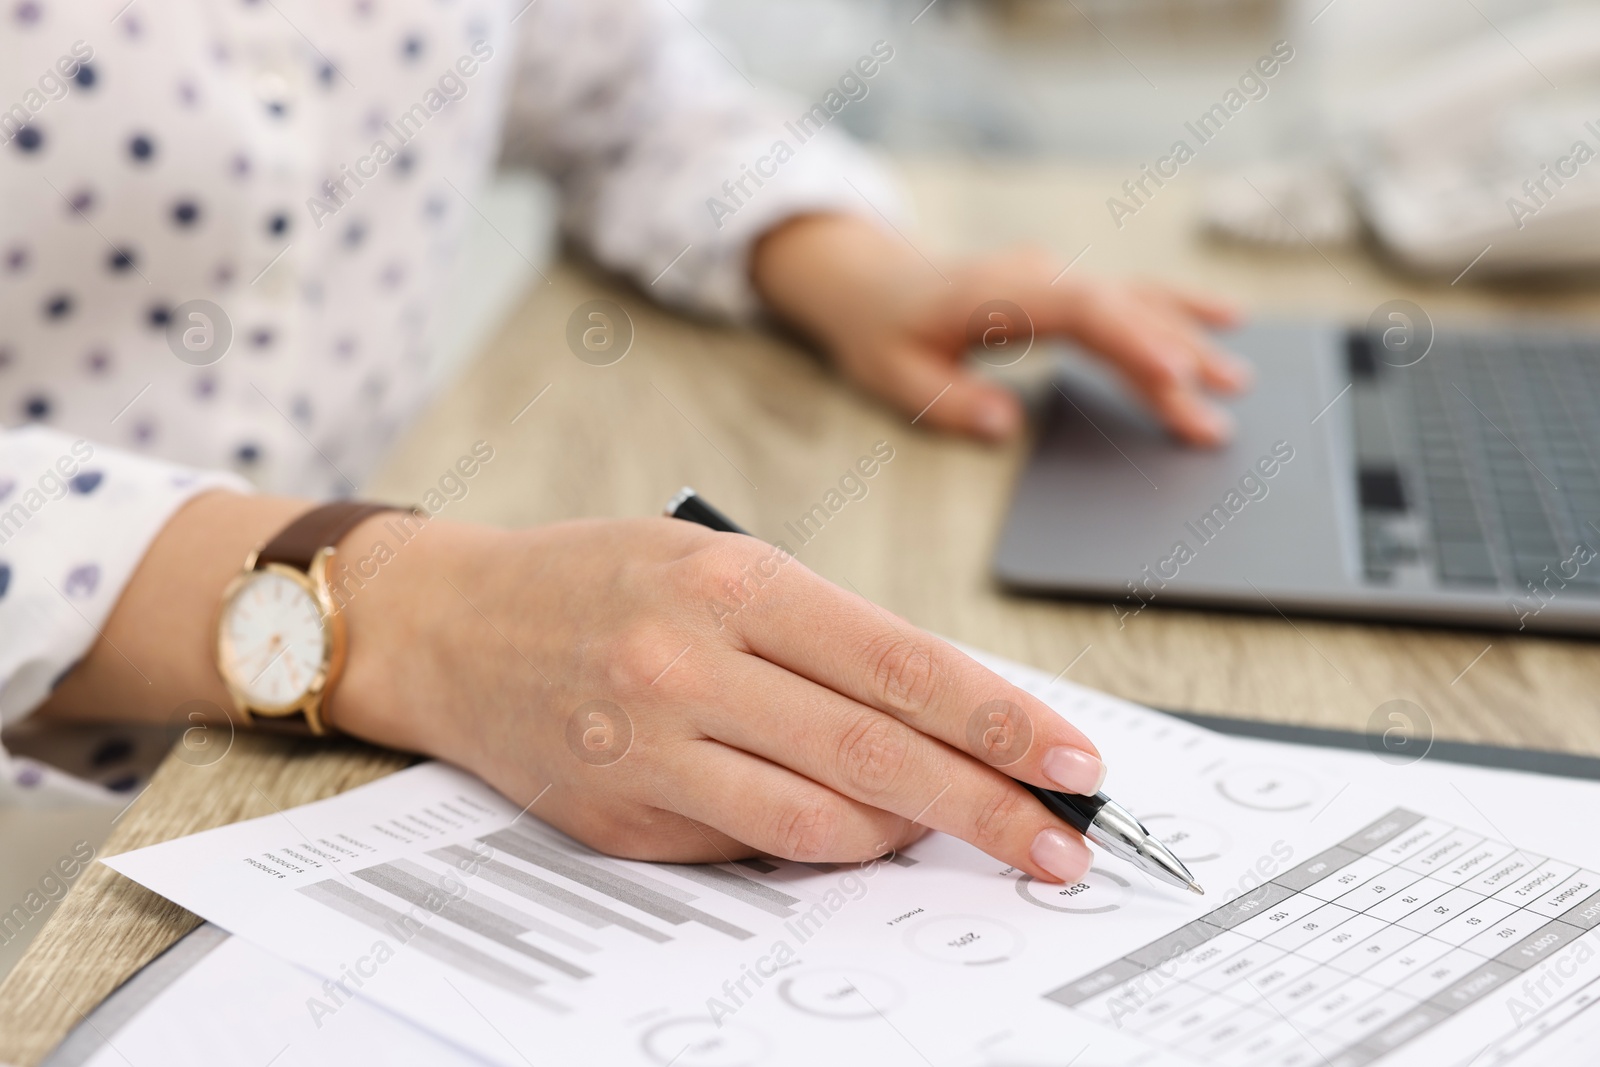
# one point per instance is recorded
(1099, 818)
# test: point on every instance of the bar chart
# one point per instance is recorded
(406, 930)
(610, 879)
(537, 915)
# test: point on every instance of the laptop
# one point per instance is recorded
(1456, 485)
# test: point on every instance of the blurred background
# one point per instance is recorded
(1410, 125)
(1416, 119)
(1108, 79)
(1104, 80)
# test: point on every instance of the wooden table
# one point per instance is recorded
(765, 430)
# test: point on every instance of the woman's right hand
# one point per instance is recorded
(663, 692)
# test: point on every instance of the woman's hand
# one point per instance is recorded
(902, 331)
(663, 692)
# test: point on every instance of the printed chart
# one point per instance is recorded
(517, 905)
(1348, 956)
(1341, 925)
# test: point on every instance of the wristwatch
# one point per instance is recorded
(280, 635)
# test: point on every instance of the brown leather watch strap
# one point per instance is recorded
(319, 528)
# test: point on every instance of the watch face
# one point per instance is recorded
(271, 646)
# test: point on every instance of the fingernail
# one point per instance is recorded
(1075, 770)
(1175, 365)
(1216, 424)
(1062, 854)
(994, 422)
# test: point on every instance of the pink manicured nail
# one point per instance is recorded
(995, 422)
(1062, 854)
(1239, 372)
(1074, 770)
(1215, 423)
(1180, 363)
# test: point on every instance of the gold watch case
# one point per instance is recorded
(314, 582)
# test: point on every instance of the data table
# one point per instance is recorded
(1348, 956)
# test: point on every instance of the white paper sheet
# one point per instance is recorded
(241, 1006)
(541, 951)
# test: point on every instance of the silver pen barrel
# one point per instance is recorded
(1116, 830)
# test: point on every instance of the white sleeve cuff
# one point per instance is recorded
(719, 213)
(75, 520)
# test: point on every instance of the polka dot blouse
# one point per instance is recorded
(287, 183)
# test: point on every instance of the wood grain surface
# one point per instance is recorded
(765, 431)
(108, 927)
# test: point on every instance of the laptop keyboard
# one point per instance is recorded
(1481, 461)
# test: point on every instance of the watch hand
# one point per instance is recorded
(253, 653)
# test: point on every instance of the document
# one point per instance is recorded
(220, 1001)
(1357, 912)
